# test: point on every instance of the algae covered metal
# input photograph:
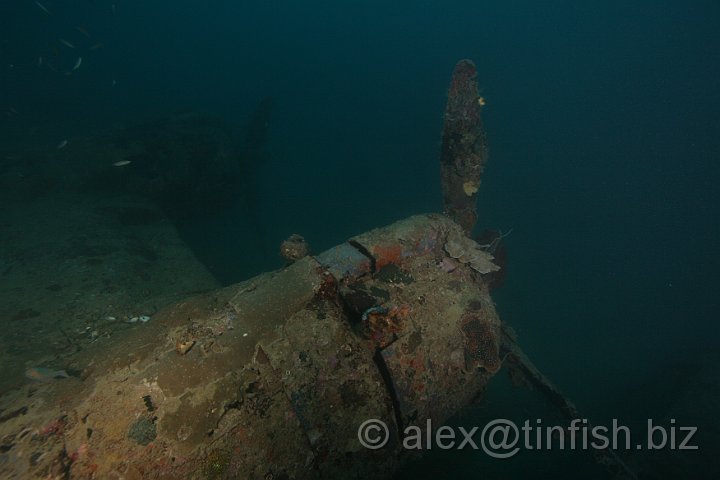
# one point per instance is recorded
(282, 371)
(464, 149)
(272, 378)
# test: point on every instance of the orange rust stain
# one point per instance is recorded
(385, 255)
(387, 324)
(400, 312)
(418, 364)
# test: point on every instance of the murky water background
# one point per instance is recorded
(603, 129)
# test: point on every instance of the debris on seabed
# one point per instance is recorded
(44, 375)
(183, 346)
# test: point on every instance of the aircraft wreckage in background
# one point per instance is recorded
(272, 377)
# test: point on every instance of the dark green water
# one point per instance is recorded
(604, 131)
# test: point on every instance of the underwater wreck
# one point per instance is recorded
(271, 378)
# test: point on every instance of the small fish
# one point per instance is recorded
(97, 46)
(43, 8)
(83, 31)
(122, 163)
(40, 62)
(62, 145)
(77, 64)
(42, 374)
(66, 43)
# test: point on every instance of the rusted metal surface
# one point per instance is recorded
(271, 378)
(345, 261)
(464, 146)
(281, 371)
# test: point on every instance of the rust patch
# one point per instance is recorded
(386, 254)
(383, 327)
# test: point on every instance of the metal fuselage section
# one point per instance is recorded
(272, 377)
